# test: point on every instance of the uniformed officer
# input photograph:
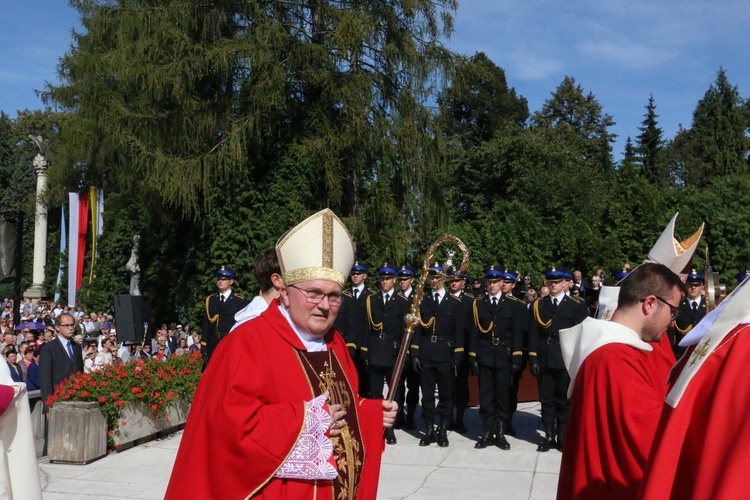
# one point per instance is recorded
(692, 309)
(508, 289)
(495, 346)
(437, 348)
(457, 284)
(551, 314)
(351, 319)
(383, 331)
(220, 309)
(409, 386)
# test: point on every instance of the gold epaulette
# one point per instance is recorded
(513, 297)
(578, 300)
(240, 296)
(347, 293)
(370, 291)
(452, 296)
(469, 294)
(402, 296)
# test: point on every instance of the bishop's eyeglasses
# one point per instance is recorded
(316, 296)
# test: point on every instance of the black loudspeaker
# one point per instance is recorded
(131, 318)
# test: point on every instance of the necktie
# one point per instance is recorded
(494, 301)
(385, 299)
(221, 299)
(70, 353)
(437, 298)
(554, 302)
(356, 292)
(695, 305)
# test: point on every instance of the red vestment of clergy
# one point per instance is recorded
(248, 414)
(617, 399)
(702, 447)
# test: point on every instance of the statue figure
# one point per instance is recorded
(133, 267)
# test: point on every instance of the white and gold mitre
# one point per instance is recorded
(672, 253)
(318, 248)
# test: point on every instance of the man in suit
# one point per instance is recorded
(551, 314)
(495, 350)
(383, 331)
(408, 393)
(349, 323)
(692, 309)
(220, 309)
(58, 359)
(437, 348)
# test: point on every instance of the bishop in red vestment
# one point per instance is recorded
(276, 414)
(619, 371)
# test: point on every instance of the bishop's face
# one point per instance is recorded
(309, 316)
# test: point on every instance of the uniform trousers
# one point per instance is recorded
(494, 395)
(553, 395)
(408, 391)
(378, 376)
(462, 385)
(438, 374)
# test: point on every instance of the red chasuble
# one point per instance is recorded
(248, 412)
(702, 446)
(618, 397)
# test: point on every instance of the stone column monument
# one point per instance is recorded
(36, 290)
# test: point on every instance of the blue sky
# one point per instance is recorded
(620, 51)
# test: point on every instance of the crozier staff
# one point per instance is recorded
(284, 395)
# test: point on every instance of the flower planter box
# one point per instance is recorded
(77, 432)
(137, 426)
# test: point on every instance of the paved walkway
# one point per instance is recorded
(408, 471)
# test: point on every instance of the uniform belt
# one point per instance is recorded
(497, 341)
(438, 338)
(553, 341)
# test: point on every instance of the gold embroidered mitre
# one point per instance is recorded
(319, 247)
(672, 253)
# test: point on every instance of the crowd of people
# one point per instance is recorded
(95, 333)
